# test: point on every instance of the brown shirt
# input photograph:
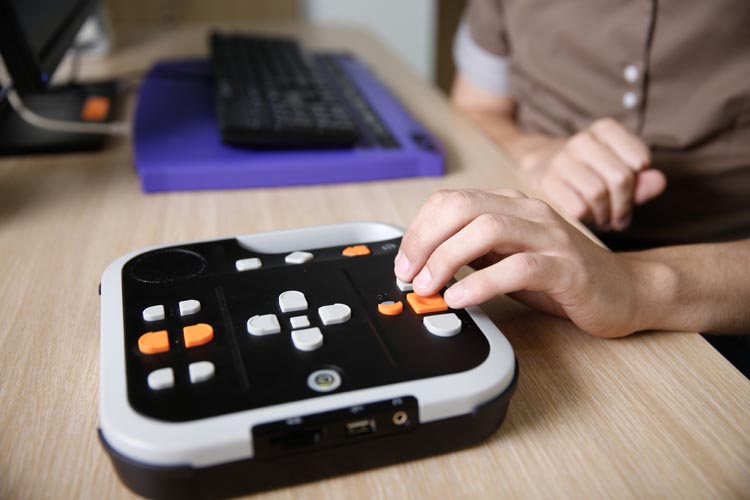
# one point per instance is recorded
(675, 72)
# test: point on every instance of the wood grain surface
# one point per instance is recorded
(652, 415)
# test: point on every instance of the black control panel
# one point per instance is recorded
(213, 328)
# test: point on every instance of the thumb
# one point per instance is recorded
(649, 184)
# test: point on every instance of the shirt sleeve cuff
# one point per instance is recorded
(481, 67)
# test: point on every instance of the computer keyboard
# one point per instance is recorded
(271, 94)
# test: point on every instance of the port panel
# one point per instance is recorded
(339, 427)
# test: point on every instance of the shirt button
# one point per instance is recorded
(629, 100)
(631, 73)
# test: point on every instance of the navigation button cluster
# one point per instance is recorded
(303, 335)
(157, 342)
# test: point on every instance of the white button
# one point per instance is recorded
(299, 322)
(443, 325)
(266, 324)
(298, 257)
(629, 100)
(308, 339)
(163, 378)
(248, 264)
(188, 307)
(404, 286)
(153, 313)
(292, 301)
(324, 380)
(631, 73)
(335, 314)
(201, 371)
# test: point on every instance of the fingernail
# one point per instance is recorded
(423, 279)
(401, 264)
(455, 294)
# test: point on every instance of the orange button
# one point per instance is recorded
(356, 251)
(391, 309)
(154, 342)
(424, 305)
(199, 334)
(95, 109)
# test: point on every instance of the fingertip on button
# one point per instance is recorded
(423, 281)
(401, 266)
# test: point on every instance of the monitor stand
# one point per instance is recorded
(60, 103)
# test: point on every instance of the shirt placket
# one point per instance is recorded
(635, 74)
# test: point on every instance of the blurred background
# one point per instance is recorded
(419, 31)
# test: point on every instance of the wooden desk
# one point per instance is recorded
(645, 416)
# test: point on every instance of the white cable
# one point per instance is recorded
(117, 128)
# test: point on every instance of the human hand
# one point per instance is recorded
(597, 175)
(520, 246)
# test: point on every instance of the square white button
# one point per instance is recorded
(299, 322)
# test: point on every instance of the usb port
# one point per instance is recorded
(360, 427)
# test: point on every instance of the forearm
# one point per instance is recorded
(496, 116)
(502, 128)
(698, 288)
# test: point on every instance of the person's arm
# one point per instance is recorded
(597, 175)
(704, 287)
(522, 247)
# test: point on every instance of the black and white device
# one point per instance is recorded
(243, 364)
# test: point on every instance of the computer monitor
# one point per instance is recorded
(35, 35)
(35, 116)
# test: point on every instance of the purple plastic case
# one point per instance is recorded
(177, 143)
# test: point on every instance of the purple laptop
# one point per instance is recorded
(178, 147)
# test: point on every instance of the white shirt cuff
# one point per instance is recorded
(482, 68)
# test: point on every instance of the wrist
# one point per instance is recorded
(534, 159)
(655, 288)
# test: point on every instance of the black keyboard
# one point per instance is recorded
(271, 94)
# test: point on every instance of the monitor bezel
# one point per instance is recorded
(32, 72)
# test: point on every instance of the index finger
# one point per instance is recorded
(444, 215)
